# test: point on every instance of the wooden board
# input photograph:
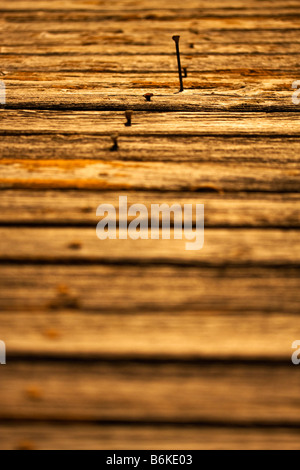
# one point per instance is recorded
(111, 437)
(156, 335)
(78, 208)
(222, 247)
(147, 393)
(140, 287)
(122, 344)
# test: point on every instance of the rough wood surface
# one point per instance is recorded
(142, 287)
(115, 343)
(78, 208)
(154, 335)
(115, 175)
(152, 393)
(111, 437)
(205, 94)
(222, 247)
(148, 123)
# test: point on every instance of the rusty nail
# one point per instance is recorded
(148, 96)
(176, 40)
(114, 138)
(128, 115)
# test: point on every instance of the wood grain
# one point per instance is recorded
(77, 208)
(151, 393)
(149, 4)
(184, 124)
(138, 287)
(96, 437)
(221, 247)
(110, 343)
(150, 336)
(116, 175)
(250, 150)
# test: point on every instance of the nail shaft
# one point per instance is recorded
(115, 146)
(176, 39)
(128, 115)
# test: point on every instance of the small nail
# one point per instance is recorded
(115, 146)
(148, 96)
(185, 72)
(128, 115)
(192, 45)
(176, 40)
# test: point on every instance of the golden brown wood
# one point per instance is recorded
(155, 335)
(87, 437)
(151, 393)
(111, 344)
(78, 208)
(143, 287)
(222, 247)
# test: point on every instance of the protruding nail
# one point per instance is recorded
(185, 72)
(192, 45)
(128, 115)
(114, 138)
(148, 96)
(176, 40)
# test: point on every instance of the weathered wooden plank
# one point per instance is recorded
(149, 288)
(151, 393)
(98, 63)
(149, 4)
(253, 151)
(241, 91)
(129, 47)
(164, 101)
(74, 436)
(112, 38)
(221, 248)
(65, 208)
(147, 123)
(143, 12)
(153, 21)
(228, 82)
(116, 175)
(150, 336)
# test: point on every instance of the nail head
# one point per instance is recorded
(148, 96)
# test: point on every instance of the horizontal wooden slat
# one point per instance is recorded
(248, 90)
(149, 4)
(269, 151)
(113, 38)
(146, 11)
(144, 288)
(155, 393)
(150, 63)
(116, 175)
(66, 208)
(91, 45)
(147, 123)
(188, 335)
(222, 247)
(87, 437)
